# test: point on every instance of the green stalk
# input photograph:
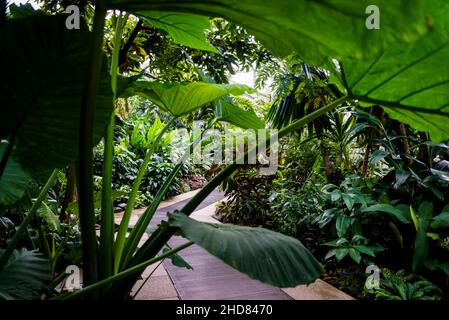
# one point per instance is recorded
(145, 219)
(85, 161)
(23, 227)
(6, 155)
(107, 214)
(154, 244)
(135, 269)
(123, 229)
(157, 240)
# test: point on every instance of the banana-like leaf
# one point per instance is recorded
(49, 217)
(180, 99)
(25, 275)
(314, 29)
(260, 253)
(185, 29)
(409, 80)
(41, 92)
(246, 119)
(441, 220)
(13, 181)
(388, 208)
(342, 224)
(422, 244)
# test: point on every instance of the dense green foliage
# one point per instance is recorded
(89, 116)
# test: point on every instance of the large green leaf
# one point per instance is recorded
(262, 254)
(13, 181)
(388, 208)
(24, 276)
(422, 244)
(42, 86)
(441, 220)
(342, 224)
(185, 29)
(314, 29)
(246, 119)
(182, 98)
(410, 81)
(49, 217)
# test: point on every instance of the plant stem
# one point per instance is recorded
(23, 227)
(157, 240)
(85, 161)
(107, 215)
(121, 236)
(123, 274)
(6, 156)
(145, 219)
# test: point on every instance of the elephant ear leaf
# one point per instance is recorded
(315, 30)
(408, 80)
(13, 181)
(42, 92)
(182, 28)
(25, 275)
(260, 253)
(245, 119)
(179, 99)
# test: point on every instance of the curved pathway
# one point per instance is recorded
(212, 279)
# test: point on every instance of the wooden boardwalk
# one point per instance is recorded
(211, 278)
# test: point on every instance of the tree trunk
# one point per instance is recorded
(365, 160)
(326, 162)
(424, 150)
(403, 144)
(70, 193)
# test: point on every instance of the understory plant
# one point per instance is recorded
(74, 113)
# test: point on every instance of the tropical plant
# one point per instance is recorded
(74, 113)
(246, 201)
(400, 286)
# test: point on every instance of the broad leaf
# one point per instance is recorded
(348, 200)
(377, 156)
(25, 275)
(441, 220)
(314, 29)
(341, 253)
(425, 210)
(262, 254)
(182, 98)
(185, 29)
(409, 80)
(365, 250)
(342, 224)
(13, 181)
(401, 178)
(355, 255)
(41, 92)
(49, 217)
(246, 119)
(422, 244)
(387, 208)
